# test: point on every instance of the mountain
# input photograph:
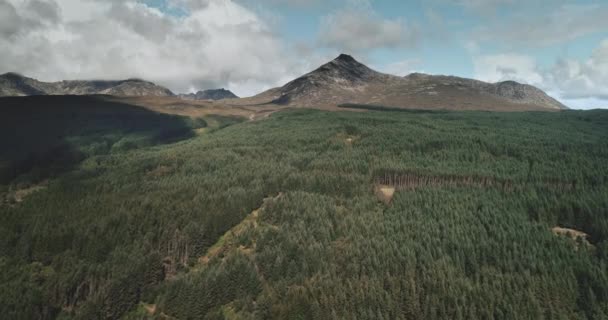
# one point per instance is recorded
(13, 84)
(342, 77)
(212, 94)
(347, 81)
(341, 82)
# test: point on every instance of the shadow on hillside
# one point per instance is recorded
(41, 136)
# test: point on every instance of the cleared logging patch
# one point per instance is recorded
(345, 138)
(385, 193)
(573, 234)
(18, 195)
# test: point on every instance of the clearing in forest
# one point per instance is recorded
(229, 238)
(385, 193)
(17, 196)
(578, 236)
(572, 233)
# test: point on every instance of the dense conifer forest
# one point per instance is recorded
(115, 212)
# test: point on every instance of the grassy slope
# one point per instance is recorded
(103, 236)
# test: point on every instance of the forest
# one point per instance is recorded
(114, 212)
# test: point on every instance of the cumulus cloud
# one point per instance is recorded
(357, 28)
(217, 43)
(501, 67)
(582, 79)
(36, 14)
(573, 81)
(9, 19)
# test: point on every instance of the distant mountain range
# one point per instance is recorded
(341, 82)
(212, 94)
(346, 81)
(12, 84)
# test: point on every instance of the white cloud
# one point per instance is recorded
(582, 79)
(357, 28)
(218, 43)
(9, 20)
(501, 67)
(35, 14)
(576, 82)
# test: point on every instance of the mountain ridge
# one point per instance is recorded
(344, 80)
(14, 84)
(209, 94)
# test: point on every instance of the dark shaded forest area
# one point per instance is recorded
(279, 218)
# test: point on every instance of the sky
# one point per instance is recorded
(249, 46)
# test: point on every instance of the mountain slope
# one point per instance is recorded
(346, 81)
(12, 84)
(211, 94)
(343, 77)
(279, 219)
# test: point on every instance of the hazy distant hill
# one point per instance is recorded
(211, 94)
(346, 81)
(12, 84)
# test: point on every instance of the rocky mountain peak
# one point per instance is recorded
(345, 66)
(210, 94)
(344, 73)
(345, 57)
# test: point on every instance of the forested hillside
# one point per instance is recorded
(294, 217)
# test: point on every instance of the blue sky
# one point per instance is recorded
(251, 45)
